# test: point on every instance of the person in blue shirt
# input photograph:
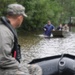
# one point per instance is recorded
(48, 28)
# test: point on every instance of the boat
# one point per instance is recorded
(63, 64)
(57, 33)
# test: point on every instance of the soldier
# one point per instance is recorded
(9, 49)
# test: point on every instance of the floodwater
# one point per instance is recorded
(39, 47)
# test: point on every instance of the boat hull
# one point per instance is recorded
(60, 33)
(54, 65)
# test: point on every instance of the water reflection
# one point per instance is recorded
(36, 47)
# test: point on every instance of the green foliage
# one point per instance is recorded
(3, 5)
(40, 11)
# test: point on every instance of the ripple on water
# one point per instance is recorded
(36, 47)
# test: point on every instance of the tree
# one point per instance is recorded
(3, 4)
(39, 11)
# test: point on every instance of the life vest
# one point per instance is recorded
(16, 52)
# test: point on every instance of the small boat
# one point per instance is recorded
(54, 65)
(57, 33)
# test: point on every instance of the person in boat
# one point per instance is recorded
(60, 27)
(48, 28)
(10, 54)
(66, 28)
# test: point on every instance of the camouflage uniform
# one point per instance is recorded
(8, 64)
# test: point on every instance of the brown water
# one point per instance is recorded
(38, 47)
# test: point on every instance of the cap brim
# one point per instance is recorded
(25, 15)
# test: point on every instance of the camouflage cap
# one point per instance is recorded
(16, 9)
